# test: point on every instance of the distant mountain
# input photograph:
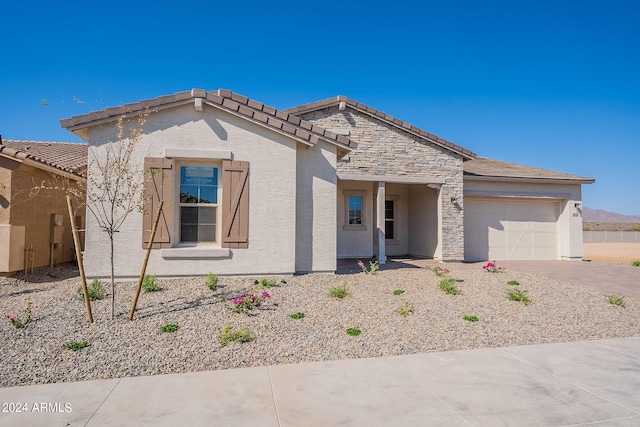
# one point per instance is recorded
(598, 215)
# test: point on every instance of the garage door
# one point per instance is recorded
(499, 229)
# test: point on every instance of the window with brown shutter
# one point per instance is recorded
(158, 185)
(235, 204)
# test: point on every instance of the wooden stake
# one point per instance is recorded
(146, 260)
(76, 243)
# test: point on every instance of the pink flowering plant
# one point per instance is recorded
(248, 301)
(26, 317)
(492, 267)
(440, 271)
(373, 267)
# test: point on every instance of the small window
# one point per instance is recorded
(355, 210)
(198, 204)
(389, 219)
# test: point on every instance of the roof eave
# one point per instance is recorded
(578, 180)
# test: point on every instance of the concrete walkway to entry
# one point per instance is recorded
(611, 279)
(582, 383)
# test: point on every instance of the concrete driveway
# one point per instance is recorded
(611, 279)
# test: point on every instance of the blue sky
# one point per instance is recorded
(553, 84)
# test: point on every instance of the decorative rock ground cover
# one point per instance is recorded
(37, 353)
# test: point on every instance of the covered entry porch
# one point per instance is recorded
(381, 216)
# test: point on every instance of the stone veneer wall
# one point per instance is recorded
(388, 151)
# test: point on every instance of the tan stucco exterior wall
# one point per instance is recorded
(316, 183)
(273, 209)
(31, 217)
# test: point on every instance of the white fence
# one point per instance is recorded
(611, 236)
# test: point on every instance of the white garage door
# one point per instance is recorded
(500, 229)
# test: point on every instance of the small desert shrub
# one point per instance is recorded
(95, 289)
(264, 283)
(492, 267)
(212, 281)
(405, 309)
(228, 335)
(170, 327)
(354, 332)
(513, 283)
(637, 228)
(586, 228)
(616, 300)
(373, 267)
(398, 292)
(248, 301)
(518, 295)
(471, 318)
(297, 315)
(449, 287)
(26, 317)
(149, 283)
(339, 291)
(75, 345)
(635, 263)
(440, 271)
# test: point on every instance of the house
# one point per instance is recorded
(35, 230)
(249, 189)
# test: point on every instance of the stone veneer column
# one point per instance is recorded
(382, 257)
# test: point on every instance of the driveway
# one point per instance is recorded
(611, 279)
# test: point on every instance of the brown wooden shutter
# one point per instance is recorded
(235, 204)
(158, 185)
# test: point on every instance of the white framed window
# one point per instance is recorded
(198, 198)
(355, 211)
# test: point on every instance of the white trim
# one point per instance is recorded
(524, 179)
(518, 195)
(195, 252)
(170, 153)
(392, 179)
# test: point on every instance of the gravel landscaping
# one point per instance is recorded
(37, 353)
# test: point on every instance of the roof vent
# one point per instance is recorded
(342, 105)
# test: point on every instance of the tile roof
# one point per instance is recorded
(483, 168)
(236, 104)
(407, 127)
(66, 156)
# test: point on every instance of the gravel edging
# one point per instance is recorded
(559, 312)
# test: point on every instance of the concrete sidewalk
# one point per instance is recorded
(590, 382)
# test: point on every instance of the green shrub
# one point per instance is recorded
(95, 289)
(75, 345)
(211, 282)
(635, 263)
(149, 283)
(398, 292)
(354, 332)
(637, 228)
(518, 295)
(448, 286)
(170, 327)
(264, 283)
(339, 291)
(405, 309)
(471, 318)
(228, 335)
(513, 283)
(616, 300)
(297, 315)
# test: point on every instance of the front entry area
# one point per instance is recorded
(403, 217)
(503, 229)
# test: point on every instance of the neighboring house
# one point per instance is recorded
(35, 230)
(252, 190)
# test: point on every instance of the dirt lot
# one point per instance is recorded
(611, 226)
(612, 252)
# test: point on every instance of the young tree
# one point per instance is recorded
(115, 182)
